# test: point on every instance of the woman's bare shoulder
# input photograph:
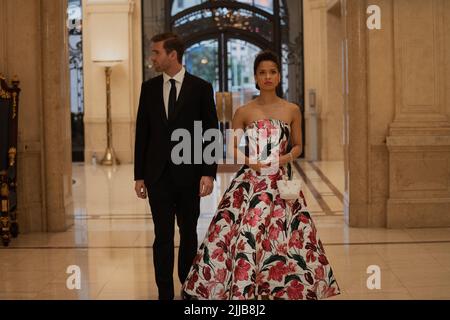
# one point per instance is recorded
(291, 106)
(240, 116)
(245, 109)
(291, 110)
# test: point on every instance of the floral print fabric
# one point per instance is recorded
(259, 246)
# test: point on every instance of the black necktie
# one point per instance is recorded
(172, 98)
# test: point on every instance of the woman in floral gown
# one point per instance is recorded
(259, 246)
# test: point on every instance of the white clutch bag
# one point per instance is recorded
(289, 189)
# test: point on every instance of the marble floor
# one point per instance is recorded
(110, 241)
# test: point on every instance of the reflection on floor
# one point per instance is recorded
(111, 240)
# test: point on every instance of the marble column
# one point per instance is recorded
(397, 144)
(380, 76)
(56, 114)
(356, 194)
(33, 46)
(419, 136)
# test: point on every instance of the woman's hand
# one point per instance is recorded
(259, 166)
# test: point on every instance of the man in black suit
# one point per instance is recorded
(171, 101)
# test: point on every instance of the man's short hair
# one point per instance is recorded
(171, 42)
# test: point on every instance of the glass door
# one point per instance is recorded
(240, 76)
(202, 60)
(227, 64)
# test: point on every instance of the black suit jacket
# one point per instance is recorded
(153, 145)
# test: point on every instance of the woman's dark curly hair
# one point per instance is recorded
(266, 55)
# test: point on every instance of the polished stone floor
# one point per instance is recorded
(112, 235)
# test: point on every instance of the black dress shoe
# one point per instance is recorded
(186, 296)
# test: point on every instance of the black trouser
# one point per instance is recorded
(168, 200)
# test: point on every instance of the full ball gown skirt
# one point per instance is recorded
(259, 246)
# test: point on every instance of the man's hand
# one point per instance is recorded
(206, 186)
(141, 190)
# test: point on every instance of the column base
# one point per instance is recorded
(418, 213)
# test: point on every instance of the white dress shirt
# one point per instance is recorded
(179, 78)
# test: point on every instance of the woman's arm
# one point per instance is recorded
(296, 136)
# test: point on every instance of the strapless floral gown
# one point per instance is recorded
(259, 246)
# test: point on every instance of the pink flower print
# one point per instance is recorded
(202, 291)
(241, 270)
(207, 273)
(252, 217)
(319, 273)
(264, 197)
(214, 232)
(221, 275)
(192, 280)
(296, 240)
(277, 271)
(278, 213)
(274, 232)
(323, 260)
(238, 196)
(295, 290)
(282, 248)
(260, 186)
(266, 245)
(226, 216)
(218, 255)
